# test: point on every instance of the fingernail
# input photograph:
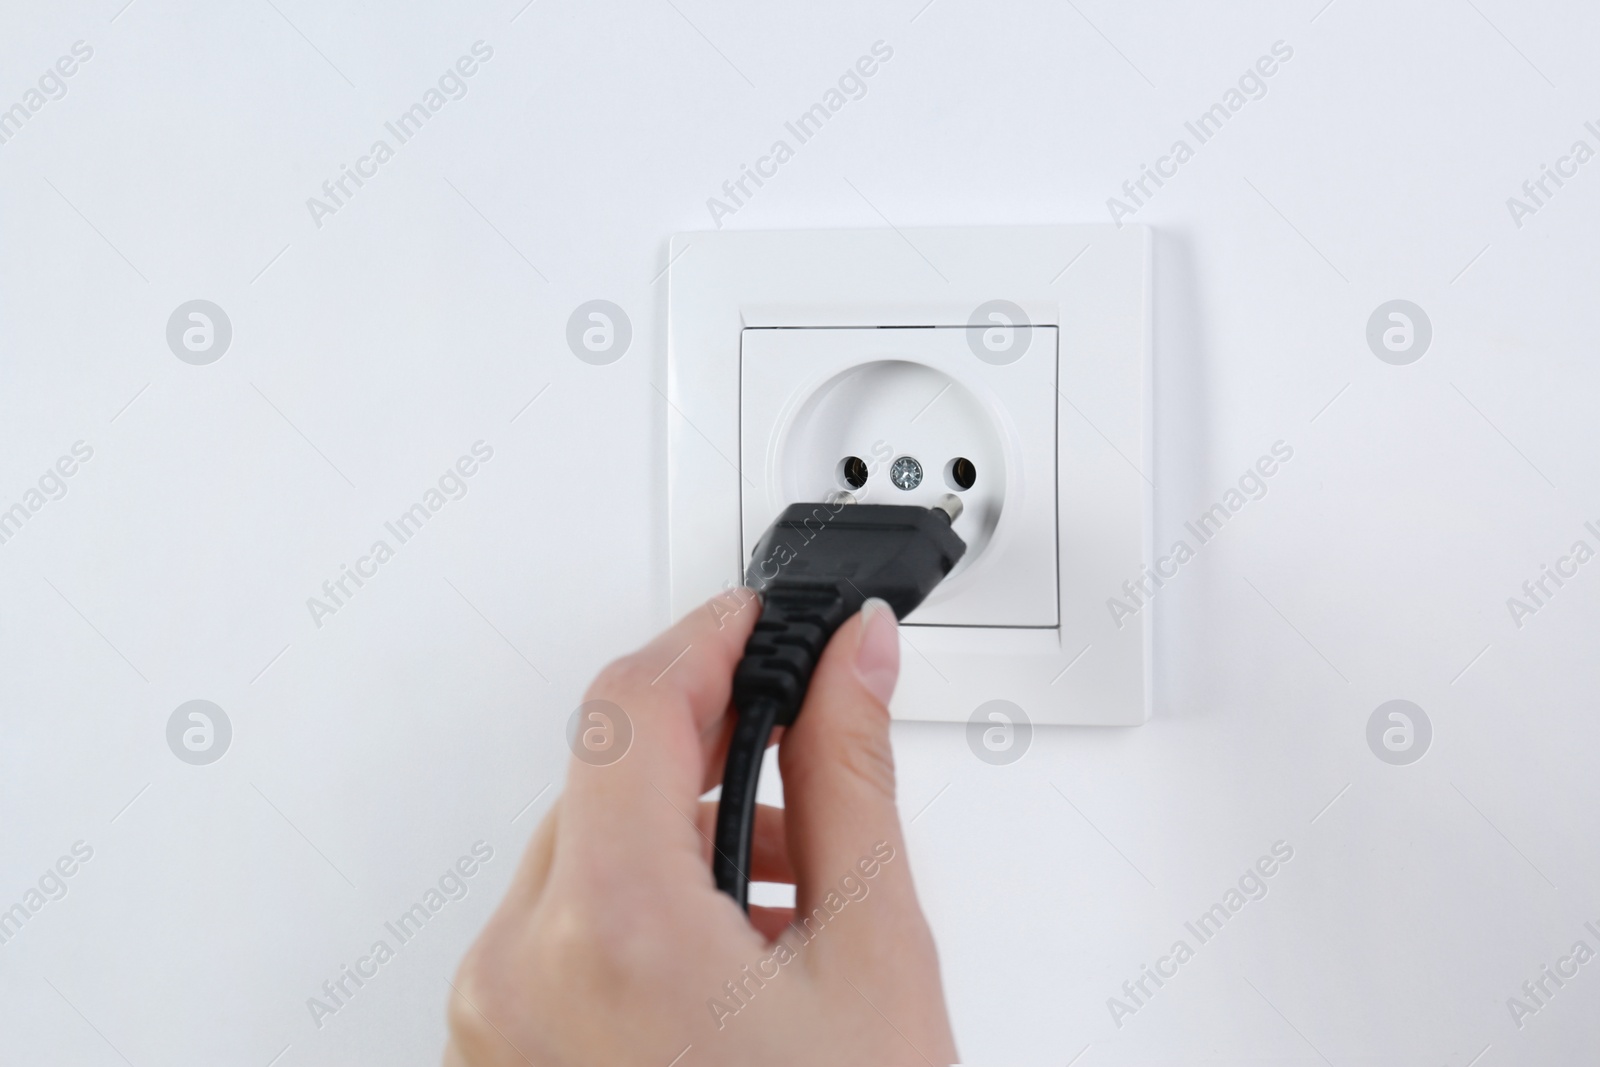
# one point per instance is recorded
(878, 649)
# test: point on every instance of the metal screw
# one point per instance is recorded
(906, 473)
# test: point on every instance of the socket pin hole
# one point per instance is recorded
(852, 472)
(961, 474)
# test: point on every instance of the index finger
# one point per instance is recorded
(633, 801)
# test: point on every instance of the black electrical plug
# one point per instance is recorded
(814, 568)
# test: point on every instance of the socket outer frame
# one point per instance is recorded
(1093, 282)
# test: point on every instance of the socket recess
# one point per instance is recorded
(810, 400)
(887, 364)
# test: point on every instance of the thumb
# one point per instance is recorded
(843, 827)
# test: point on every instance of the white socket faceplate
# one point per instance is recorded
(775, 337)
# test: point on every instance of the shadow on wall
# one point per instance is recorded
(1183, 469)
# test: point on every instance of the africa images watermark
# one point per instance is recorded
(452, 85)
(452, 885)
(52, 886)
(1252, 85)
(796, 536)
(452, 485)
(1252, 886)
(1539, 590)
(1537, 191)
(736, 191)
(52, 485)
(1252, 486)
(1538, 991)
(52, 86)
(199, 732)
(788, 547)
(853, 887)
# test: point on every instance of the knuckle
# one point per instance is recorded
(588, 952)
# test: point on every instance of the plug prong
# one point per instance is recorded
(950, 505)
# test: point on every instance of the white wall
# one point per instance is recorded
(371, 351)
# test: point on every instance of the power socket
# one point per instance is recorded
(904, 416)
(1009, 365)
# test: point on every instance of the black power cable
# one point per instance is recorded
(814, 568)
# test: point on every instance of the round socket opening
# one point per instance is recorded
(960, 474)
(854, 433)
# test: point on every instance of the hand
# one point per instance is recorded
(614, 946)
